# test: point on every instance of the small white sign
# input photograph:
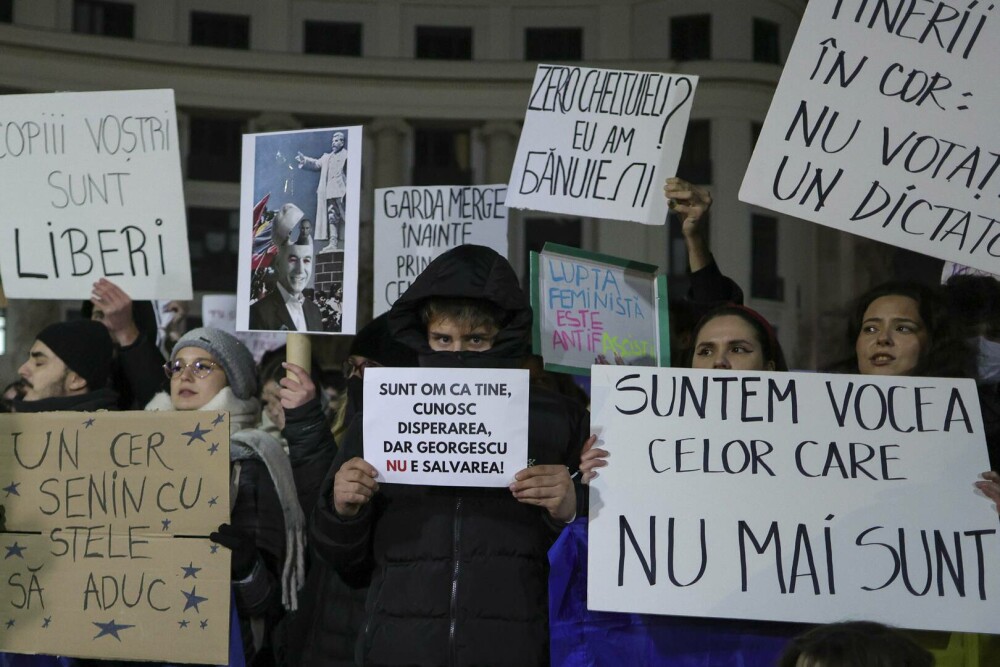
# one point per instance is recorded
(599, 143)
(883, 125)
(446, 427)
(799, 497)
(92, 183)
(413, 225)
(219, 311)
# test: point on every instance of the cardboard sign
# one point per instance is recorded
(93, 186)
(446, 427)
(599, 143)
(793, 497)
(219, 311)
(413, 225)
(105, 549)
(592, 308)
(299, 199)
(882, 125)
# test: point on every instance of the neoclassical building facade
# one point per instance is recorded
(440, 87)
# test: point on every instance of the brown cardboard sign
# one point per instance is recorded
(105, 552)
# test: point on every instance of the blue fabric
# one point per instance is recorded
(582, 638)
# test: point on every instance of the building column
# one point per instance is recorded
(500, 142)
(386, 167)
(390, 162)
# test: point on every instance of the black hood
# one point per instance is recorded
(470, 272)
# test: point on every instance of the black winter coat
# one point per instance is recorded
(323, 631)
(459, 575)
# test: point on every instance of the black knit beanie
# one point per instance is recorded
(85, 347)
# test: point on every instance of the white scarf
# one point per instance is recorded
(248, 442)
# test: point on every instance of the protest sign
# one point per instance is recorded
(106, 554)
(951, 269)
(600, 143)
(219, 311)
(882, 126)
(792, 496)
(413, 225)
(93, 185)
(593, 308)
(446, 426)
(299, 199)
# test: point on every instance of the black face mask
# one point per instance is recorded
(355, 396)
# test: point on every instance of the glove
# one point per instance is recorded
(243, 548)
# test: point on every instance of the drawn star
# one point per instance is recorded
(197, 434)
(88, 423)
(111, 628)
(48, 619)
(204, 624)
(183, 623)
(191, 571)
(166, 524)
(214, 548)
(218, 420)
(10, 624)
(193, 599)
(213, 501)
(11, 489)
(15, 550)
(213, 449)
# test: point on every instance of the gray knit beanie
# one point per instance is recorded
(232, 355)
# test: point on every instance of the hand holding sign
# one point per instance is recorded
(354, 486)
(115, 308)
(549, 487)
(991, 486)
(298, 390)
(592, 458)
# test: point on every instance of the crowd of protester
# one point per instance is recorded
(331, 568)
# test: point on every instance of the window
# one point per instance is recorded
(442, 157)
(695, 164)
(6, 16)
(439, 43)
(553, 44)
(766, 45)
(332, 38)
(537, 231)
(99, 17)
(691, 37)
(214, 241)
(228, 31)
(216, 149)
(764, 280)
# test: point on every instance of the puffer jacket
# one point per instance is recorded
(458, 575)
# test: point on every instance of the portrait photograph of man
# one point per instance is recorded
(299, 231)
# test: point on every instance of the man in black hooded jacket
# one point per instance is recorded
(459, 575)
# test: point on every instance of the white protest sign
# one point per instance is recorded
(93, 182)
(592, 308)
(219, 311)
(882, 126)
(413, 225)
(600, 143)
(446, 426)
(792, 496)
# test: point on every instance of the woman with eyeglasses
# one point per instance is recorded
(211, 370)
